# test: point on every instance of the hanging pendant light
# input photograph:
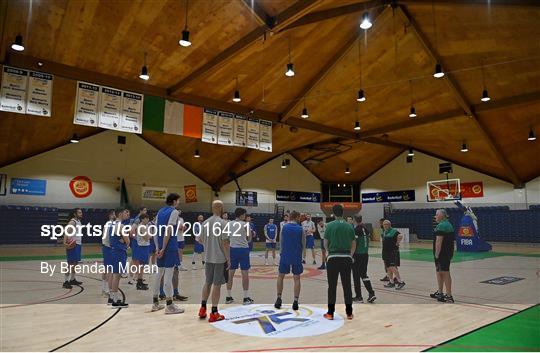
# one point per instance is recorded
(185, 42)
(366, 22)
(18, 43)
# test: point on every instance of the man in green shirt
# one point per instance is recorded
(443, 250)
(339, 240)
(359, 267)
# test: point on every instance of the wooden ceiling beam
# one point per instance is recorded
(460, 97)
(323, 15)
(290, 14)
(330, 64)
(259, 13)
(473, 2)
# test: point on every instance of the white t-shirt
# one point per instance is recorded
(238, 234)
(105, 238)
(141, 230)
(78, 231)
(180, 232)
(308, 227)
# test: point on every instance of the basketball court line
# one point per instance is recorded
(54, 299)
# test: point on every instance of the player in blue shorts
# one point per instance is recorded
(119, 241)
(73, 243)
(309, 230)
(141, 253)
(181, 244)
(134, 244)
(167, 253)
(253, 234)
(292, 241)
(239, 250)
(198, 247)
(270, 233)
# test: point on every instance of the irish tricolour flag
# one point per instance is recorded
(172, 117)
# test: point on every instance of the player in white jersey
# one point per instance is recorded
(309, 229)
(72, 242)
(321, 228)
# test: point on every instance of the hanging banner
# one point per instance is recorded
(110, 108)
(190, 193)
(225, 130)
(86, 104)
(23, 186)
(265, 135)
(240, 126)
(298, 196)
(388, 196)
(472, 189)
(13, 92)
(154, 193)
(81, 186)
(253, 133)
(132, 112)
(210, 126)
(39, 95)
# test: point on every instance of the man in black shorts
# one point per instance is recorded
(390, 255)
(443, 250)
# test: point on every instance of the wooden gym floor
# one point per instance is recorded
(38, 315)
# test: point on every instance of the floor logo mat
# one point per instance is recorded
(503, 280)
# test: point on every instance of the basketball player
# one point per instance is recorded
(350, 220)
(360, 263)
(142, 252)
(443, 251)
(390, 255)
(239, 250)
(73, 242)
(133, 243)
(153, 240)
(321, 228)
(167, 253)
(181, 245)
(225, 216)
(282, 223)
(217, 257)
(106, 278)
(119, 241)
(198, 248)
(253, 234)
(340, 241)
(270, 233)
(309, 228)
(385, 278)
(292, 241)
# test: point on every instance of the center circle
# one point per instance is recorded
(263, 320)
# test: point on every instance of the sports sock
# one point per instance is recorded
(66, 277)
(279, 295)
(169, 301)
(214, 310)
(203, 304)
(155, 300)
(229, 293)
(72, 276)
(246, 293)
(176, 291)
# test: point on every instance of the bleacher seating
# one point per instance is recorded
(495, 223)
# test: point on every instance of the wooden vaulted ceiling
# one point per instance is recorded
(105, 42)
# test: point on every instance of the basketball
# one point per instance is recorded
(71, 243)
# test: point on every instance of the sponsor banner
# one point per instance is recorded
(472, 189)
(132, 112)
(13, 91)
(298, 196)
(388, 196)
(253, 133)
(240, 131)
(265, 135)
(225, 128)
(501, 281)
(110, 108)
(81, 186)
(190, 193)
(39, 98)
(346, 205)
(86, 104)
(22, 186)
(263, 320)
(246, 198)
(210, 126)
(154, 193)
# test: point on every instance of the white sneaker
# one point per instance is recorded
(104, 294)
(157, 307)
(173, 309)
(194, 268)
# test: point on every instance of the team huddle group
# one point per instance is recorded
(344, 245)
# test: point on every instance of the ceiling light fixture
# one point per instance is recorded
(144, 71)
(412, 113)
(74, 139)
(438, 71)
(305, 114)
(464, 147)
(197, 154)
(236, 97)
(347, 171)
(411, 152)
(18, 43)
(366, 22)
(185, 42)
(290, 66)
(532, 135)
(361, 96)
(357, 125)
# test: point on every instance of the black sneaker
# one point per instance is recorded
(314, 262)
(278, 303)
(322, 267)
(435, 295)
(142, 286)
(389, 285)
(358, 299)
(180, 297)
(162, 297)
(304, 262)
(110, 301)
(295, 305)
(119, 304)
(446, 298)
(372, 298)
(74, 282)
(229, 300)
(400, 285)
(66, 285)
(385, 279)
(248, 301)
